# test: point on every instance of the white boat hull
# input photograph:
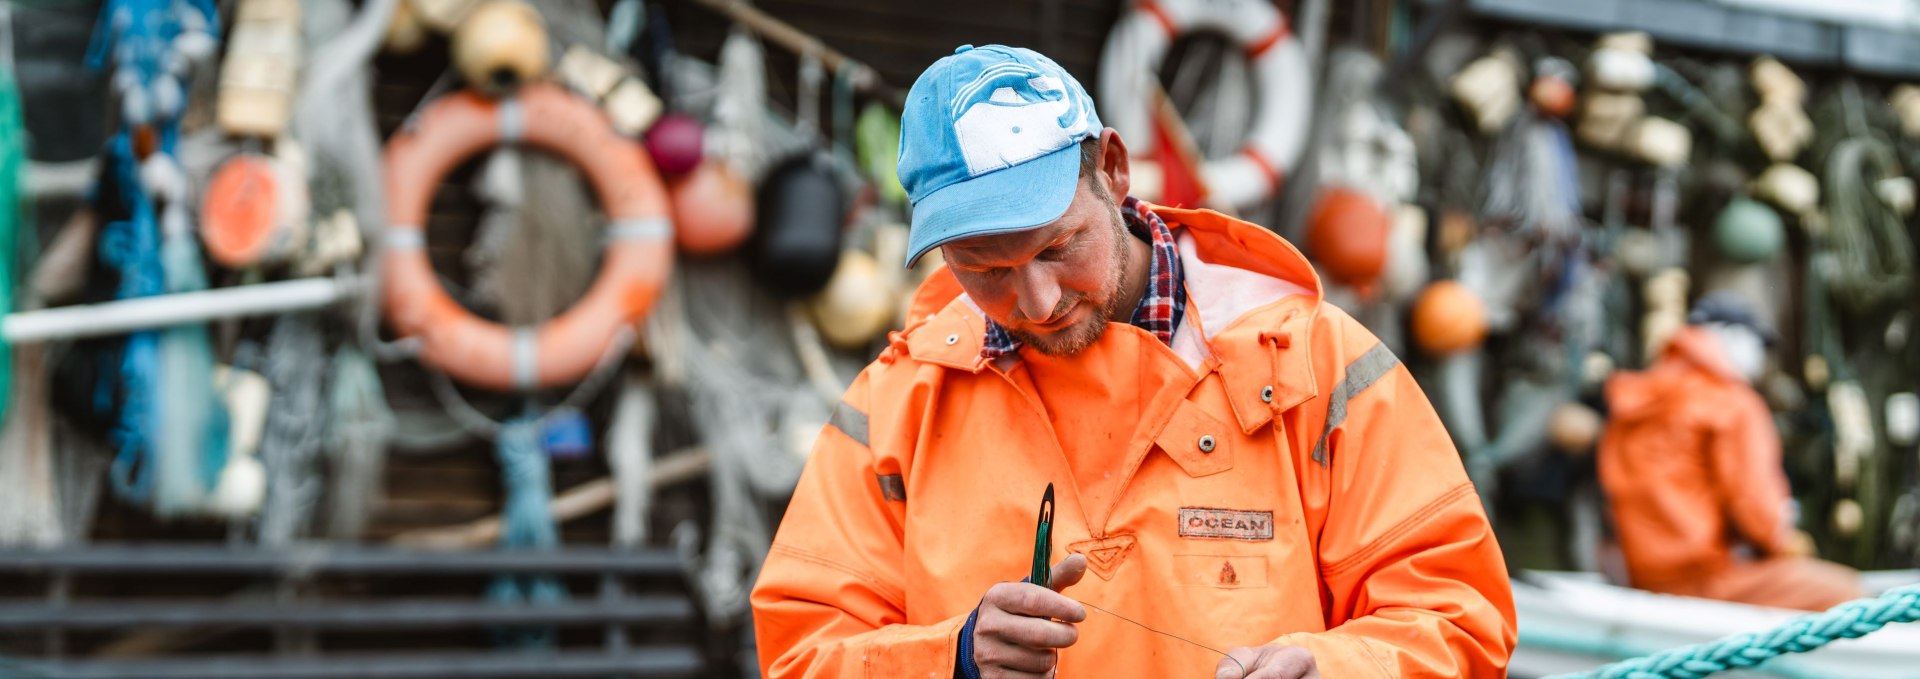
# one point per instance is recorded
(1574, 621)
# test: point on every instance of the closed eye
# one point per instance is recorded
(987, 272)
(1056, 252)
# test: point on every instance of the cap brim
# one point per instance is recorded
(1022, 197)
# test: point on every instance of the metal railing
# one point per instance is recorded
(295, 621)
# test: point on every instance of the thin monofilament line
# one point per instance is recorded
(1223, 654)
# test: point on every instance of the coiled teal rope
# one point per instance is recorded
(526, 523)
(13, 153)
(1850, 620)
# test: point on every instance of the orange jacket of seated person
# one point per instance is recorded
(1691, 464)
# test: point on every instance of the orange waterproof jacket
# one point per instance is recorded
(1274, 476)
(1691, 463)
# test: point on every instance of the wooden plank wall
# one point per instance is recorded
(900, 38)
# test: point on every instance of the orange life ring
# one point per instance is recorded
(1283, 87)
(638, 256)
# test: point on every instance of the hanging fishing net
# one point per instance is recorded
(751, 403)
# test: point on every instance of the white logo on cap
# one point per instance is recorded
(1020, 120)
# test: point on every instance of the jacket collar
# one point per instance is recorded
(952, 338)
(1274, 334)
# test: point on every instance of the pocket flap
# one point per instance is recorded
(1200, 443)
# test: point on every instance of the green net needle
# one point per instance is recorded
(1043, 543)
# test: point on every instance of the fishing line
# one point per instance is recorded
(1223, 654)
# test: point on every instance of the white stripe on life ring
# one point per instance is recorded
(526, 357)
(513, 121)
(640, 228)
(405, 238)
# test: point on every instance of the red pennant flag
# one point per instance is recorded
(1178, 155)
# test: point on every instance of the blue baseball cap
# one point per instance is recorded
(989, 143)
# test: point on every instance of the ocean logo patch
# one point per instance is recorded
(1010, 114)
(1230, 524)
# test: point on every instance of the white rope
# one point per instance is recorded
(333, 116)
(361, 425)
(752, 404)
(79, 475)
(29, 497)
(739, 109)
(295, 365)
(630, 455)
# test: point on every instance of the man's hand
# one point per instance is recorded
(1268, 662)
(1021, 625)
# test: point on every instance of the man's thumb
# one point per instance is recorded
(1068, 572)
(1237, 664)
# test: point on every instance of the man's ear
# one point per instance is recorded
(1114, 169)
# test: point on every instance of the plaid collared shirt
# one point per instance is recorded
(1163, 305)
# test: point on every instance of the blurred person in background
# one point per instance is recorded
(1690, 461)
(1241, 464)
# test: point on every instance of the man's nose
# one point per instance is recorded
(1038, 293)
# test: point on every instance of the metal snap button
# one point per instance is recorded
(1266, 394)
(953, 339)
(1206, 444)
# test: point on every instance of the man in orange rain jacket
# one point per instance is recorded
(1691, 464)
(1239, 463)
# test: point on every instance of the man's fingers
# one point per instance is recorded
(1068, 572)
(1287, 662)
(1035, 601)
(1033, 632)
(998, 659)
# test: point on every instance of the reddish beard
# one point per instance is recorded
(1076, 338)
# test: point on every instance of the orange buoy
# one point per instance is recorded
(1347, 236)
(1448, 319)
(1551, 95)
(251, 212)
(712, 209)
(635, 265)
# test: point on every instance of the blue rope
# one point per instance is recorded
(171, 430)
(526, 523)
(132, 248)
(193, 424)
(1850, 620)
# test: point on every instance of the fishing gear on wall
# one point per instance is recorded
(170, 430)
(1524, 263)
(29, 503)
(1701, 175)
(713, 202)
